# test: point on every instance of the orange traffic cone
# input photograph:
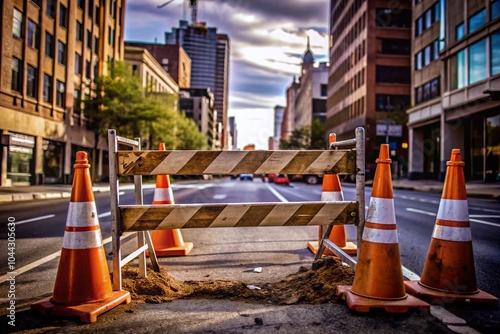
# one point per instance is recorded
(332, 191)
(167, 242)
(449, 275)
(378, 279)
(83, 284)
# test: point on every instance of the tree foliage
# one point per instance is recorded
(306, 138)
(122, 103)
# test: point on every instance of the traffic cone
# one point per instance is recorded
(83, 285)
(378, 279)
(332, 192)
(449, 274)
(167, 242)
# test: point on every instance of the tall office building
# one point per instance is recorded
(369, 75)
(209, 53)
(51, 53)
(456, 99)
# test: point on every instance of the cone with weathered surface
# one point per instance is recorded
(83, 284)
(449, 274)
(167, 242)
(332, 192)
(378, 279)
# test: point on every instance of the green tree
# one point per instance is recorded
(122, 103)
(306, 138)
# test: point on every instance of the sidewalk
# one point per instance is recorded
(39, 192)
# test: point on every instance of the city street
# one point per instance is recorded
(40, 227)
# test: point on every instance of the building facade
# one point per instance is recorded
(467, 116)
(209, 53)
(424, 117)
(198, 104)
(369, 74)
(51, 53)
(172, 58)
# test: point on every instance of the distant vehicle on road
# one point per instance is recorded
(281, 179)
(246, 177)
(309, 179)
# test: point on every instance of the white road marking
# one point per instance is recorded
(472, 220)
(484, 216)
(276, 193)
(483, 222)
(104, 214)
(220, 196)
(34, 219)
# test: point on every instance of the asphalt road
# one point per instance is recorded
(40, 227)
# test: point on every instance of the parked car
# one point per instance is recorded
(309, 179)
(246, 177)
(281, 179)
(270, 177)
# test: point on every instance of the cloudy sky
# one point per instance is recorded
(268, 39)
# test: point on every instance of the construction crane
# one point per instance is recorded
(194, 9)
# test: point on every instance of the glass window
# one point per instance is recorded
(77, 98)
(477, 20)
(495, 9)
(63, 16)
(90, 8)
(392, 74)
(418, 61)
(78, 63)
(457, 70)
(61, 52)
(87, 69)
(495, 52)
(60, 94)
(437, 13)
(17, 23)
(49, 45)
(51, 8)
(436, 49)
(31, 81)
(47, 88)
(81, 3)
(111, 34)
(428, 19)
(427, 55)
(89, 39)
(32, 34)
(418, 95)
(16, 75)
(387, 17)
(96, 44)
(79, 31)
(419, 26)
(427, 91)
(477, 61)
(460, 31)
(435, 89)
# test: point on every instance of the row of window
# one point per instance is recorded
(427, 19)
(32, 83)
(427, 55)
(391, 102)
(351, 111)
(349, 87)
(389, 17)
(477, 20)
(393, 46)
(348, 63)
(347, 18)
(392, 74)
(428, 91)
(470, 65)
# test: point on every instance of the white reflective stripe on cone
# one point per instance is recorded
(163, 194)
(453, 209)
(381, 211)
(82, 240)
(380, 236)
(452, 233)
(82, 214)
(332, 196)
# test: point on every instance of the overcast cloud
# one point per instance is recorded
(267, 38)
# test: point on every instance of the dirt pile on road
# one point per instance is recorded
(312, 286)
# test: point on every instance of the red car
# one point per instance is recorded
(281, 178)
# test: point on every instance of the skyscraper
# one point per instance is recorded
(209, 53)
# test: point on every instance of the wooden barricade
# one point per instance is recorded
(126, 218)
